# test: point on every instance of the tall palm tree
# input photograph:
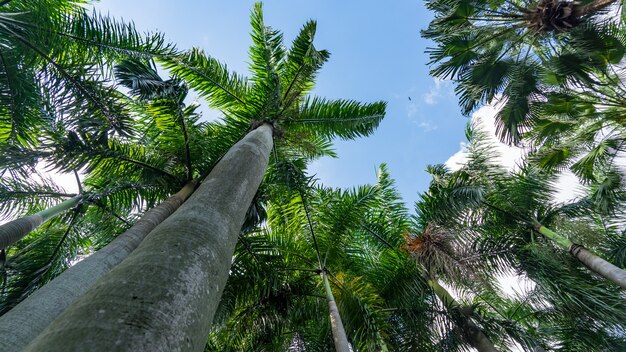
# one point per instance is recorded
(125, 178)
(499, 227)
(54, 67)
(273, 299)
(434, 249)
(520, 51)
(203, 232)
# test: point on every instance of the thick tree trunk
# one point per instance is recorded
(339, 333)
(15, 230)
(164, 295)
(24, 322)
(474, 334)
(592, 261)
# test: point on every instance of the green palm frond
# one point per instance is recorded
(302, 63)
(267, 57)
(210, 78)
(520, 51)
(361, 313)
(343, 118)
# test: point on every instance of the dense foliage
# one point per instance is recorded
(81, 93)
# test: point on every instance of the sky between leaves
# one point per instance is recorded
(376, 54)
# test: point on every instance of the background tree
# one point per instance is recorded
(274, 299)
(520, 51)
(499, 231)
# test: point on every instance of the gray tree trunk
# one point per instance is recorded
(592, 261)
(24, 322)
(163, 296)
(599, 265)
(339, 333)
(15, 230)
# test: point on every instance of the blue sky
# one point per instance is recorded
(377, 54)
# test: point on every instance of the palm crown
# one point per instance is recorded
(277, 91)
(520, 49)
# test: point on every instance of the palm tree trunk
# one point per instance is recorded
(339, 333)
(471, 331)
(163, 296)
(591, 261)
(15, 230)
(24, 322)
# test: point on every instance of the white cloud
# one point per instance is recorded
(427, 126)
(411, 110)
(510, 156)
(458, 159)
(440, 89)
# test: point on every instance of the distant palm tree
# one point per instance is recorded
(499, 216)
(54, 70)
(520, 51)
(202, 233)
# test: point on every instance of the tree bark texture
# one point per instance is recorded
(164, 295)
(339, 333)
(599, 265)
(592, 261)
(15, 230)
(24, 322)
(474, 334)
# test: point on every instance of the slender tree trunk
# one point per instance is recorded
(339, 333)
(24, 322)
(591, 261)
(15, 230)
(474, 334)
(163, 296)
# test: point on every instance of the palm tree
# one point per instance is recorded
(583, 131)
(138, 178)
(49, 72)
(499, 227)
(26, 320)
(15, 230)
(521, 50)
(55, 62)
(203, 231)
(434, 249)
(350, 238)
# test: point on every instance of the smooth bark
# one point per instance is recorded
(599, 265)
(15, 230)
(339, 333)
(475, 336)
(591, 261)
(164, 295)
(24, 322)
